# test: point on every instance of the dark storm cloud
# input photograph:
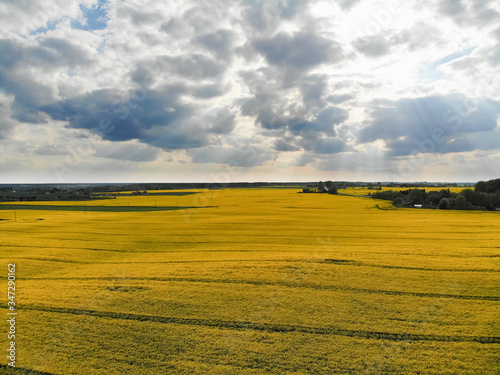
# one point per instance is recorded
(48, 53)
(29, 95)
(315, 136)
(222, 122)
(408, 145)
(314, 87)
(17, 79)
(300, 51)
(159, 119)
(332, 116)
(431, 124)
(9, 53)
(269, 109)
(124, 122)
(286, 144)
(323, 124)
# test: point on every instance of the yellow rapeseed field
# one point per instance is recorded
(255, 281)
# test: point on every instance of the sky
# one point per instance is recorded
(246, 90)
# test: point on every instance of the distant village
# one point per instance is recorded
(484, 195)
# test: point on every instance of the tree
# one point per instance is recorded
(444, 204)
(398, 202)
(480, 187)
(416, 196)
(468, 194)
(461, 202)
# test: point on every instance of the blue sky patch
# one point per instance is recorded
(51, 25)
(454, 56)
(429, 71)
(96, 17)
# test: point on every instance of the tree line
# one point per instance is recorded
(485, 196)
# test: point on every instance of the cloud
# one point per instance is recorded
(372, 46)
(246, 156)
(138, 15)
(475, 13)
(264, 17)
(24, 16)
(6, 122)
(130, 151)
(339, 99)
(286, 144)
(57, 52)
(220, 43)
(430, 124)
(159, 118)
(195, 66)
(452, 7)
(313, 87)
(323, 145)
(200, 79)
(348, 4)
(299, 51)
(24, 66)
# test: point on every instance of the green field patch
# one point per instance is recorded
(47, 207)
(168, 193)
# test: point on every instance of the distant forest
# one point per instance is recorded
(485, 196)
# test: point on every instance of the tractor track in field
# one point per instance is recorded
(283, 284)
(72, 248)
(23, 371)
(267, 327)
(345, 262)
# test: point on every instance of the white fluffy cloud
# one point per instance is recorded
(268, 90)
